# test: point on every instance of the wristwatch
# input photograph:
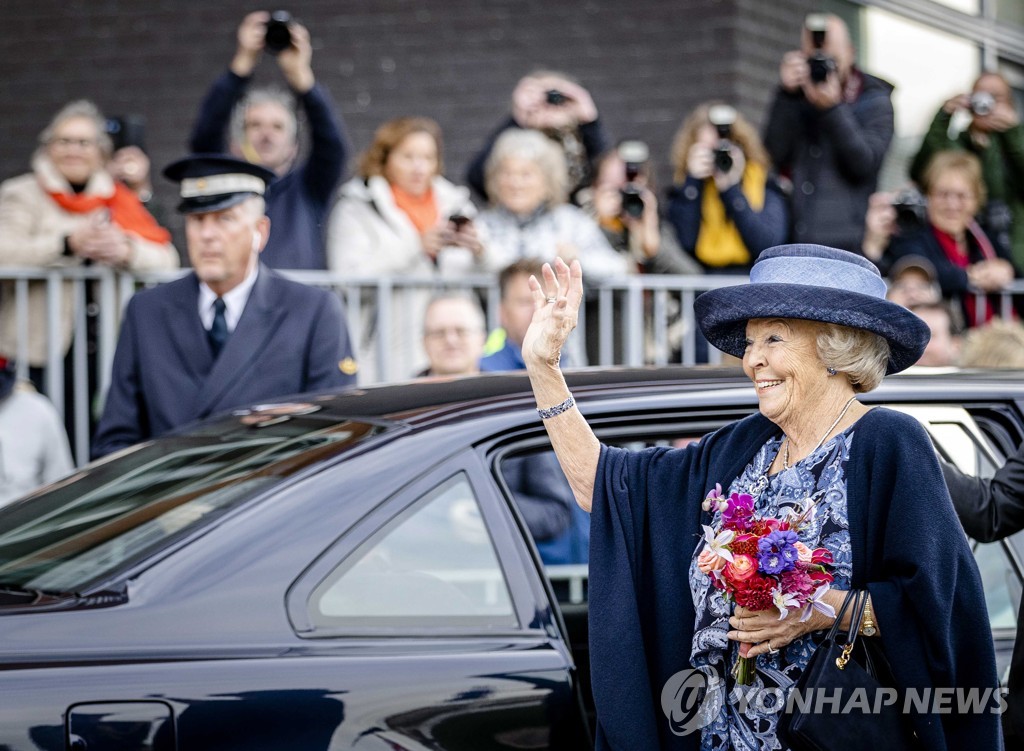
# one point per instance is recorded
(867, 624)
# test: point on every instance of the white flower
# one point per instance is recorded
(717, 543)
(783, 602)
(816, 603)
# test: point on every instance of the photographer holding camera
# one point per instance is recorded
(965, 258)
(828, 130)
(623, 202)
(264, 131)
(995, 135)
(564, 111)
(726, 206)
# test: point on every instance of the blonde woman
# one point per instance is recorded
(725, 205)
(400, 217)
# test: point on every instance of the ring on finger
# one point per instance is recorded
(772, 650)
(552, 300)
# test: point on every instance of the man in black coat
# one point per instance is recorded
(264, 131)
(828, 130)
(230, 333)
(991, 510)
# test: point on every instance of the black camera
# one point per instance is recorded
(722, 116)
(911, 211)
(820, 64)
(555, 97)
(634, 154)
(279, 36)
(982, 103)
(128, 130)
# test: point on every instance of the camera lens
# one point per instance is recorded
(555, 97)
(723, 157)
(820, 66)
(278, 36)
(632, 202)
(982, 103)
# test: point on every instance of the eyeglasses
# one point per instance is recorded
(66, 143)
(951, 195)
(458, 332)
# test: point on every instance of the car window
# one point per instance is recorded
(79, 532)
(1001, 583)
(433, 565)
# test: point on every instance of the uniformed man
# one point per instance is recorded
(230, 333)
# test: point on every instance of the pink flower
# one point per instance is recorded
(821, 556)
(742, 568)
(738, 512)
(803, 552)
(708, 561)
(798, 583)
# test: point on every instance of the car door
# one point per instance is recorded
(440, 625)
(960, 440)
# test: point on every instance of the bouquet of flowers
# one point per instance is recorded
(760, 562)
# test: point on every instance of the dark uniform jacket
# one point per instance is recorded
(991, 510)
(290, 338)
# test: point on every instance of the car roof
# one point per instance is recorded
(429, 400)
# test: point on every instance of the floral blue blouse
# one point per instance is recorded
(749, 724)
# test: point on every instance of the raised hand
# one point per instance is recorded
(557, 300)
(251, 34)
(295, 61)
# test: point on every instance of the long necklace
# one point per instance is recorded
(785, 451)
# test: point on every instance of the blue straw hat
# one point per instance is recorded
(812, 283)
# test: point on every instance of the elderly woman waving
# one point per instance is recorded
(814, 331)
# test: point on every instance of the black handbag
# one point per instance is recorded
(837, 704)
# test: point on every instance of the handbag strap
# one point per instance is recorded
(854, 597)
(857, 598)
(834, 631)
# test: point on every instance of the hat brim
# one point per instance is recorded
(722, 315)
(206, 204)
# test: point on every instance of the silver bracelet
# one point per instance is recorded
(557, 409)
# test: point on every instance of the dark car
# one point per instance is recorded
(352, 571)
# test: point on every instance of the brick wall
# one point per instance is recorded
(646, 62)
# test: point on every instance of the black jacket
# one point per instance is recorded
(833, 158)
(991, 510)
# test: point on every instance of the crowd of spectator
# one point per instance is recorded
(549, 182)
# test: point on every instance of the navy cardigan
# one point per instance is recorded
(908, 549)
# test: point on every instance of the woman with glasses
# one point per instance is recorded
(69, 211)
(966, 259)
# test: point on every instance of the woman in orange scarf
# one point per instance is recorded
(69, 211)
(725, 205)
(400, 217)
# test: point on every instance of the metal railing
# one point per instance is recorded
(642, 319)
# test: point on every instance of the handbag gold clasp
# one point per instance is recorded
(844, 658)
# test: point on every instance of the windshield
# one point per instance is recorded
(117, 512)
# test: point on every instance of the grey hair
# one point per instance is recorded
(860, 355)
(269, 94)
(478, 314)
(87, 110)
(537, 148)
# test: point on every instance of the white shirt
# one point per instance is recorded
(33, 445)
(234, 301)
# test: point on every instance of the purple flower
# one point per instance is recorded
(777, 551)
(739, 510)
